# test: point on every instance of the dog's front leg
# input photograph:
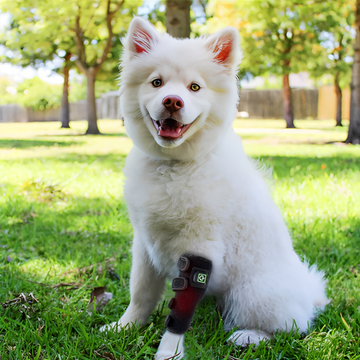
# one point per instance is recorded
(146, 288)
(171, 347)
(190, 287)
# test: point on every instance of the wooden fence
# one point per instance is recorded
(268, 104)
(327, 103)
(13, 113)
(106, 108)
(261, 104)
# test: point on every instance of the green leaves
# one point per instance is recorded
(289, 36)
(40, 31)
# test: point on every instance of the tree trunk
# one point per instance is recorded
(288, 111)
(338, 93)
(354, 127)
(65, 108)
(91, 103)
(177, 18)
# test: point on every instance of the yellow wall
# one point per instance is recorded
(327, 103)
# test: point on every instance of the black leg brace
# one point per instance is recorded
(189, 289)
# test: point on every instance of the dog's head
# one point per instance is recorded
(178, 95)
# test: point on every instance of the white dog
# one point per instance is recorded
(191, 188)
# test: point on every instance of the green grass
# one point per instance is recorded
(62, 209)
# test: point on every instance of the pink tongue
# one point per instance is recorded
(171, 132)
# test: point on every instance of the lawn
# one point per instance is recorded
(64, 231)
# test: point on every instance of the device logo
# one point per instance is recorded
(201, 278)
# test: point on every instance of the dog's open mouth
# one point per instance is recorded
(170, 129)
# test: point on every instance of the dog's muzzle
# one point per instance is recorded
(189, 289)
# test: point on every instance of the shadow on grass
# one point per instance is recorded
(283, 166)
(24, 144)
(83, 134)
(267, 139)
(115, 162)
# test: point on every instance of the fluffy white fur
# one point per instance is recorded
(201, 194)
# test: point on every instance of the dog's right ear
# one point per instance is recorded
(140, 37)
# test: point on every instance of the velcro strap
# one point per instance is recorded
(179, 283)
(183, 263)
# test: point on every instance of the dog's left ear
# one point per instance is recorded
(225, 46)
(140, 37)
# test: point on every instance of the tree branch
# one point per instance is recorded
(91, 17)
(79, 42)
(118, 6)
(82, 67)
(109, 17)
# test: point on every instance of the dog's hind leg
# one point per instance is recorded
(146, 288)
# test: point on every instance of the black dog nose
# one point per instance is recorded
(173, 103)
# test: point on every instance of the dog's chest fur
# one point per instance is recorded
(178, 207)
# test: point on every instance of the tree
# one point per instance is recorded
(177, 18)
(336, 39)
(90, 62)
(354, 127)
(278, 37)
(33, 44)
(65, 107)
(33, 93)
(94, 26)
(282, 37)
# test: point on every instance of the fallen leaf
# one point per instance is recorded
(24, 303)
(100, 296)
(98, 291)
(103, 300)
(105, 355)
(109, 356)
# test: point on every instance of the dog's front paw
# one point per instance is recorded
(114, 326)
(247, 337)
(171, 347)
(127, 320)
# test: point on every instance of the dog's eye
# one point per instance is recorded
(156, 82)
(194, 87)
